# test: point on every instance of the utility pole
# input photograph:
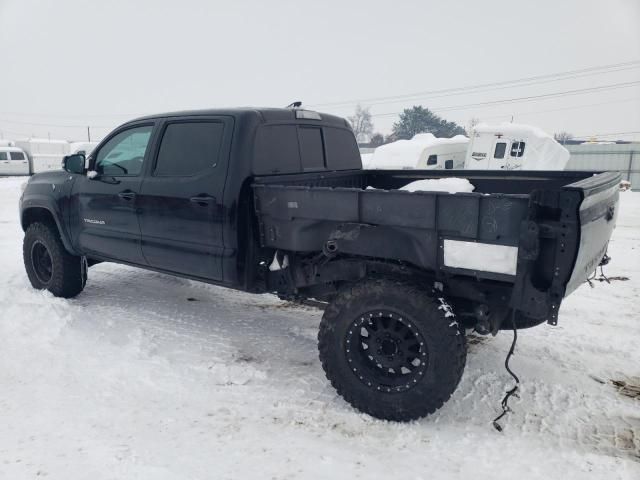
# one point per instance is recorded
(89, 134)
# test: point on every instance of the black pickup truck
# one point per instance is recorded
(275, 200)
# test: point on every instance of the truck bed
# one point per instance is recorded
(558, 223)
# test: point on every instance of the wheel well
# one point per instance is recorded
(37, 214)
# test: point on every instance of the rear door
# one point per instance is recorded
(181, 201)
(19, 163)
(103, 209)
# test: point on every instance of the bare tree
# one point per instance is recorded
(361, 124)
(562, 137)
(473, 121)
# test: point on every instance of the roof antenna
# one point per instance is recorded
(296, 104)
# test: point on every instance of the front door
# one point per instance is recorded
(181, 204)
(104, 203)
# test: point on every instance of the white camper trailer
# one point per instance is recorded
(511, 146)
(44, 154)
(424, 151)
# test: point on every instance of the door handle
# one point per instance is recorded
(202, 201)
(127, 195)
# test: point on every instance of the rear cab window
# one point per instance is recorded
(17, 156)
(188, 148)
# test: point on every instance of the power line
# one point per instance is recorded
(491, 86)
(529, 98)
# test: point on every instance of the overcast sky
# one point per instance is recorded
(80, 62)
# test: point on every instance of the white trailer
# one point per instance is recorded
(511, 146)
(424, 151)
(44, 154)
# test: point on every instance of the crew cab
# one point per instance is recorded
(276, 200)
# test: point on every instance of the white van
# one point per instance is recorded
(13, 161)
(424, 151)
(512, 146)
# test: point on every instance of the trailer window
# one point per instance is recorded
(501, 148)
(4, 156)
(311, 148)
(517, 149)
(17, 156)
(189, 148)
(432, 160)
(448, 164)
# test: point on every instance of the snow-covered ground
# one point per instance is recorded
(145, 376)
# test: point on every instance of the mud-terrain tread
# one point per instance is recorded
(67, 278)
(450, 344)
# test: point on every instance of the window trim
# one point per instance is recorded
(163, 130)
(96, 151)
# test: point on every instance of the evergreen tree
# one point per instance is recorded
(418, 119)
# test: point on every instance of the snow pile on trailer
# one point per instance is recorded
(450, 184)
(406, 154)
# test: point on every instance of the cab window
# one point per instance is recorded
(4, 156)
(188, 148)
(17, 156)
(123, 155)
(501, 148)
(432, 160)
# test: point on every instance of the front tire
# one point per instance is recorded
(391, 350)
(49, 265)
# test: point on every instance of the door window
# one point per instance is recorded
(189, 148)
(4, 156)
(432, 160)
(448, 164)
(124, 153)
(17, 156)
(501, 148)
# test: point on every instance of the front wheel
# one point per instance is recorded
(48, 264)
(391, 350)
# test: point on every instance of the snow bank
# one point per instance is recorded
(451, 185)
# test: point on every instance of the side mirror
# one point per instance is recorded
(74, 163)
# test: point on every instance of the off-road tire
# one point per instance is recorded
(430, 317)
(68, 274)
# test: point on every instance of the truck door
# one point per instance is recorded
(19, 163)
(181, 202)
(103, 212)
(5, 163)
(499, 154)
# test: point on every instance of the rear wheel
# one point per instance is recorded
(48, 264)
(391, 349)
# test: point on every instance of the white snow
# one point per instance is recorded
(131, 380)
(448, 184)
(480, 256)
